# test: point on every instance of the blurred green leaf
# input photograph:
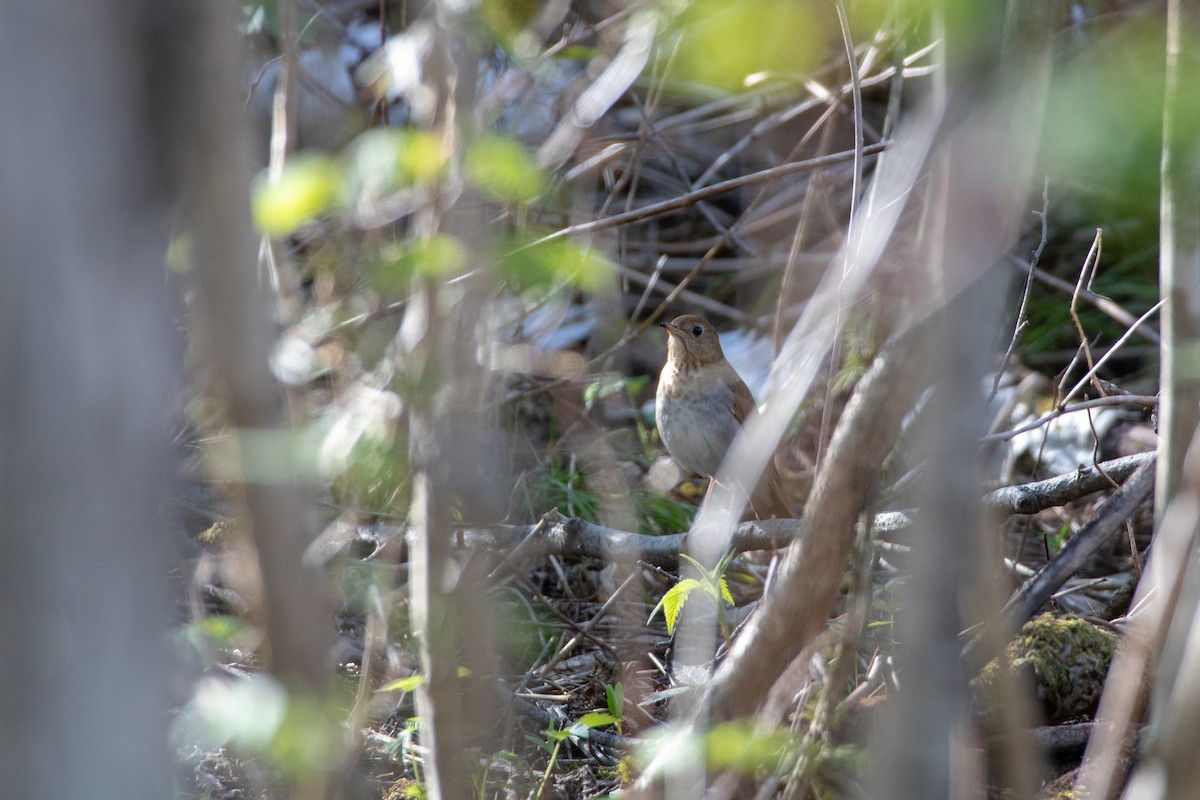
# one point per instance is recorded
(722, 43)
(408, 684)
(547, 264)
(264, 455)
(260, 17)
(308, 187)
(311, 737)
(435, 256)
(607, 387)
(741, 747)
(576, 52)
(386, 160)
(244, 713)
(507, 18)
(659, 514)
(179, 254)
(1103, 128)
(219, 633)
(223, 630)
(413, 682)
(499, 166)
(1056, 541)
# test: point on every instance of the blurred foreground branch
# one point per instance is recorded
(85, 411)
(238, 334)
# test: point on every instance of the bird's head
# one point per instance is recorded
(692, 342)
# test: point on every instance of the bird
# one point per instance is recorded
(700, 406)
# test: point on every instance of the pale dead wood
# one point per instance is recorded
(1164, 639)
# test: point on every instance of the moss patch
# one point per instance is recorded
(1063, 659)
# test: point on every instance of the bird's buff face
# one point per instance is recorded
(692, 342)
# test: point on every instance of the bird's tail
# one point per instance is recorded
(770, 498)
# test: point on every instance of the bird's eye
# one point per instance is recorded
(697, 330)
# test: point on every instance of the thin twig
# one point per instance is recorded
(1086, 274)
(1103, 304)
(1091, 373)
(691, 198)
(1146, 401)
(1022, 321)
(856, 91)
(783, 117)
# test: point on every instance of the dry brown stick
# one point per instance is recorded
(785, 116)
(1091, 373)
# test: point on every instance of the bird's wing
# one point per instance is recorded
(742, 402)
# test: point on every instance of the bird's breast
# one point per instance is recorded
(695, 420)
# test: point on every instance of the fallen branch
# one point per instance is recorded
(1107, 521)
(571, 536)
(556, 534)
(1030, 498)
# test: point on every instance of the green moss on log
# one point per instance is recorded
(1063, 659)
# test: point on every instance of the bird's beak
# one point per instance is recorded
(670, 329)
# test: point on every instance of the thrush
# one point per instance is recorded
(701, 405)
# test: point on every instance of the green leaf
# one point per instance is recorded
(725, 595)
(1058, 540)
(500, 167)
(264, 455)
(576, 52)
(672, 602)
(222, 628)
(412, 682)
(308, 187)
(614, 696)
(179, 254)
(553, 734)
(596, 719)
(740, 747)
